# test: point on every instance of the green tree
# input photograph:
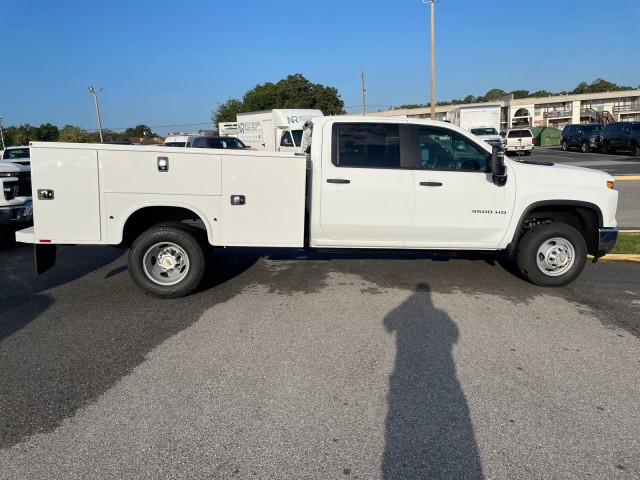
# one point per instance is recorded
(493, 95)
(47, 133)
(226, 112)
(140, 131)
(541, 93)
(599, 85)
(520, 93)
(410, 105)
(295, 91)
(74, 134)
(581, 88)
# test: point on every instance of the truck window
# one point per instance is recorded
(445, 150)
(285, 140)
(367, 145)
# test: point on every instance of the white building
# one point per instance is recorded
(553, 111)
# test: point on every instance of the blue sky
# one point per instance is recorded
(168, 64)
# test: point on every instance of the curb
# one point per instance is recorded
(626, 177)
(619, 257)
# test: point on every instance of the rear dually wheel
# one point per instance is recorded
(167, 261)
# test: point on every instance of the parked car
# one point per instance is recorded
(488, 134)
(218, 142)
(585, 136)
(16, 155)
(621, 136)
(519, 140)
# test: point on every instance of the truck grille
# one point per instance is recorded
(19, 188)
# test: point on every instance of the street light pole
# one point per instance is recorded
(1, 133)
(433, 59)
(95, 99)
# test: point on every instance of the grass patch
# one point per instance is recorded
(627, 244)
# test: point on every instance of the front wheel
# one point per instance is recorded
(605, 148)
(584, 147)
(565, 146)
(551, 255)
(167, 261)
(633, 149)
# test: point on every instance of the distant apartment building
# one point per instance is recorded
(553, 111)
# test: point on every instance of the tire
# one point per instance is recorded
(528, 152)
(167, 261)
(584, 148)
(565, 146)
(551, 255)
(633, 149)
(605, 148)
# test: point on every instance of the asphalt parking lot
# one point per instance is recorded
(296, 365)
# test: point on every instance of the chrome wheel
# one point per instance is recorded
(555, 256)
(165, 263)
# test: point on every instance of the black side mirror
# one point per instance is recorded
(498, 168)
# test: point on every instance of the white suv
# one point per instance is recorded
(517, 140)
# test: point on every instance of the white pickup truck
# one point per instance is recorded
(375, 183)
(15, 202)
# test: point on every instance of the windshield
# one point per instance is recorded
(297, 137)
(519, 133)
(484, 131)
(15, 153)
(635, 127)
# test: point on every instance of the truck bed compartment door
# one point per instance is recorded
(66, 202)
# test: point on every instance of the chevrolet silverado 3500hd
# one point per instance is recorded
(374, 183)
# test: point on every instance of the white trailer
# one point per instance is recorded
(274, 130)
(482, 120)
(228, 129)
(469, 117)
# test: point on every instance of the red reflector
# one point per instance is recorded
(44, 241)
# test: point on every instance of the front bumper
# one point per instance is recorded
(595, 143)
(16, 216)
(606, 241)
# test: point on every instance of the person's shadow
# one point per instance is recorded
(429, 434)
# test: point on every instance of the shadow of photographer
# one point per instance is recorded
(429, 433)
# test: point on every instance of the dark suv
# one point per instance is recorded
(621, 136)
(585, 136)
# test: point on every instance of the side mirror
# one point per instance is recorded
(498, 168)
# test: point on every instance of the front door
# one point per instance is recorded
(456, 201)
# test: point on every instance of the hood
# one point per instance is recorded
(559, 175)
(12, 167)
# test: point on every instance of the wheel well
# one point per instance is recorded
(147, 217)
(584, 219)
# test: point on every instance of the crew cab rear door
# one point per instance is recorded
(367, 187)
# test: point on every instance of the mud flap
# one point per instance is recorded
(45, 255)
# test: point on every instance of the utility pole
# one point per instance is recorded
(1, 134)
(363, 89)
(433, 59)
(95, 99)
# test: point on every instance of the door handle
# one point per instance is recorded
(431, 184)
(338, 180)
